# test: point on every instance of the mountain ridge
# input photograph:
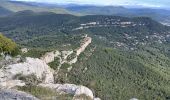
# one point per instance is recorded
(81, 10)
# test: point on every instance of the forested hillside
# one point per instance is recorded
(128, 57)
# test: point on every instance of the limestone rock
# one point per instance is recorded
(70, 89)
(84, 90)
(97, 99)
(11, 83)
(31, 66)
(50, 56)
(8, 94)
(8, 57)
(84, 43)
(67, 88)
(24, 50)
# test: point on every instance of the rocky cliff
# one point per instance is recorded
(40, 69)
(43, 72)
(31, 66)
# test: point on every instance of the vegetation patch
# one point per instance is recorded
(72, 56)
(115, 74)
(45, 93)
(61, 77)
(65, 66)
(55, 64)
(35, 53)
(7, 46)
(30, 80)
(82, 97)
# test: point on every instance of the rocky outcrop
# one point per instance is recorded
(24, 50)
(42, 71)
(8, 94)
(31, 66)
(39, 68)
(84, 43)
(63, 55)
(11, 83)
(76, 90)
(84, 90)
(50, 56)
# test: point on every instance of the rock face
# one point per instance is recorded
(7, 94)
(50, 56)
(31, 66)
(11, 83)
(84, 43)
(42, 71)
(70, 88)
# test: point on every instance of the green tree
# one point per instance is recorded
(7, 45)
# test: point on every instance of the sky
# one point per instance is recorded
(145, 3)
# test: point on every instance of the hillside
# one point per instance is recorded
(127, 58)
(4, 12)
(29, 28)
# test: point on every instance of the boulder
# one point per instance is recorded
(84, 90)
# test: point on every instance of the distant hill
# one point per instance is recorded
(160, 15)
(4, 11)
(15, 6)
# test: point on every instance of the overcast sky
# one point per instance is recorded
(149, 3)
